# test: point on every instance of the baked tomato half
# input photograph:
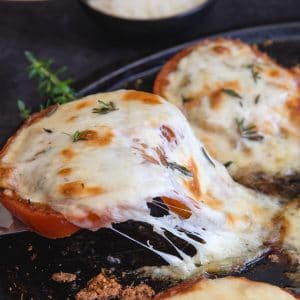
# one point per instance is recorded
(39, 218)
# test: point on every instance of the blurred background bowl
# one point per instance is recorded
(181, 23)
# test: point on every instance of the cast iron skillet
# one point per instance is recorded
(153, 27)
(27, 260)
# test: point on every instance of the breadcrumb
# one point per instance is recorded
(64, 277)
(100, 288)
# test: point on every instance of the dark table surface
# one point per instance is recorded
(60, 29)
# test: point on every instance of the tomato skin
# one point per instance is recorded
(177, 207)
(40, 219)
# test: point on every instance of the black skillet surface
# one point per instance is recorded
(27, 261)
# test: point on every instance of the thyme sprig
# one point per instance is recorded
(208, 157)
(49, 84)
(77, 136)
(248, 131)
(255, 71)
(228, 164)
(56, 91)
(105, 108)
(183, 170)
(257, 98)
(231, 93)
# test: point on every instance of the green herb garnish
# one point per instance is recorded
(23, 110)
(248, 132)
(77, 136)
(255, 69)
(256, 99)
(105, 108)
(228, 164)
(208, 157)
(232, 93)
(181, 169)
(49, 85)
(56, 90)
(47, 130)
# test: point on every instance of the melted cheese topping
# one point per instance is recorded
(242, 105)
(227, 288)
(122, 160)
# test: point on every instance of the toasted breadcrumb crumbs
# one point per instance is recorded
(139, 292)
(63, 277)
(100, 288)
(103, 288)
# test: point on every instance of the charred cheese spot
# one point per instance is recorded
(217, 95)
(274, 73)
(5, 172)
(216, 98)
(96, 138)
(168, 134)
(232, 218)
(232, 84)
(219, 49)
(72, 189)
(293, 106)
(93, 191)
(84, 104)
(65, 172)
(78, 189)
(72, 119)
(68, 153)
(212, 201)
(143, 97)
(193, 185)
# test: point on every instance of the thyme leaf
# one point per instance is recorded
(208, 157)
(232, 93)
(257, 98)
(77, 136)
(248, 132)
(228, 164)
(105, 108)
(255, 69)
(24, 111)
(183, 170)
(47, 130)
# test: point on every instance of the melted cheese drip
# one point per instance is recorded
(122, 165)
(265, 90)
